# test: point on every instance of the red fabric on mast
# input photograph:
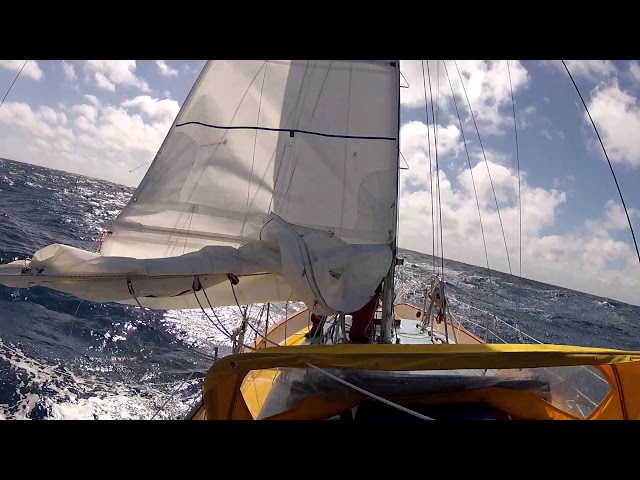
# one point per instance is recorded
(362, 321)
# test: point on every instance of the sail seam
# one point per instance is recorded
(290, 130)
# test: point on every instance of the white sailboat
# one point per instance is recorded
(278, 181)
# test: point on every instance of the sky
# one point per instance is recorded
(107, 119)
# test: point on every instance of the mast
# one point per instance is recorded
(388, 291)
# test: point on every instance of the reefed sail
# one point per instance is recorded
(282, 173)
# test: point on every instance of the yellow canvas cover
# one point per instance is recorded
(223, 398)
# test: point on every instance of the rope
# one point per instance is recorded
(220, 328)
(255, 330)
(132, 292)
(230, 336)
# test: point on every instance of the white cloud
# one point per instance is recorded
(49, 115)
(163, 110)
(103, 82)
(617, 117)
(486, 83)
(69, 71)
(594, 70)
(490, 155)
(107, 74)
(93, 99)
(87, 111)
(587, 259)
(634, 70)
(414, 146)
(90, 137)
(21, 114)
(525, 115)
(165, 70)
(614, 219)
(31, 69)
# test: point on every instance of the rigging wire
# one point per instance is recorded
(14, 81)
(426, 108)
(255, 330)
(435, 140)
(487, 165)
(439, 201)
(515, 128)
(438, 184)
(607, 157)
(139, 166)
(438, 187)
(473, 182)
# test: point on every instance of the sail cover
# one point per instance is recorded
(281, 172)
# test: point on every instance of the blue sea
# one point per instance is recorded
(66, 358)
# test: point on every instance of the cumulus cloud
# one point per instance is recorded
(165, 70)
(589, 258)
(593, 70)
(617, 117)
(634, 70)
(31, 69)
(107, 74)
(163, 110)
(415, 145)
(103, 82)
(69, 71)
(91, 137)
(486, 84)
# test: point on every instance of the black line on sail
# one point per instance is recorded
(291, 131)
(607, 157)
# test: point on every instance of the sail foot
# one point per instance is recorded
(288, 263)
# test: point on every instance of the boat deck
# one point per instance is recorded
(407, 332)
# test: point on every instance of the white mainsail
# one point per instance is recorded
(282, 173)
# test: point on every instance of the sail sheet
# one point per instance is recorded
(282, 173)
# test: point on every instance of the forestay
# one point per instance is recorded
(283, 173)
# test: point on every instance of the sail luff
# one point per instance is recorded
(389, 281)
(107, 242)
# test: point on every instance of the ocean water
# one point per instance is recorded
(65, 358)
